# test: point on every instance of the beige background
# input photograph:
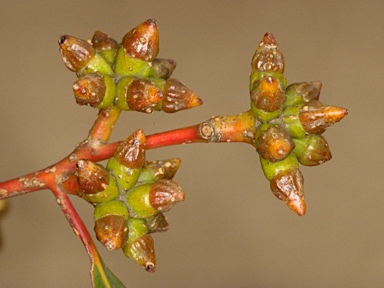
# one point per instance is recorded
(231, 231)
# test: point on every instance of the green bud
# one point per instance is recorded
(122, 92)
(142, 251)
(114, 207)
(298, 93)
(312, 150)
(126, 65)
(292, 122)
(137, 228)
(271, 169)
(126, 177)
(138, 201)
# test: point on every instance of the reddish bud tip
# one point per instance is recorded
(143, 96)
(131, 152)
(111, 231)
(92, 177)
(142, 42)
(177, 97)
(317, 117)
(268, 94)
(268, 57)
(288, 187)
(89, 90)
(76, 52)
(102, 41)
(164, 194)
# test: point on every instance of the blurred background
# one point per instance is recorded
(231, 231)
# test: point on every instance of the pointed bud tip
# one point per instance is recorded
(297, 205)
(269, 39)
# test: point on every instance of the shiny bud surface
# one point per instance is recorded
(177, 97)
(142, 42)
(268, 94)
(268, 56)
(76, 53)
(131, 152)
(89, 90)
(111, 231)
(143, 96)
(164, 194)
(142, 251)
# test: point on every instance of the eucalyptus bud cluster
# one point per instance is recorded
(290, 121)
(130, 196)
(128, 75)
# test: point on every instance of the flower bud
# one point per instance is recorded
(287, 185)
(94, 90)
(142, 251)
(268, 57)
(157, 223)
(312, 150)
(164, 194)
(111, 231)
(143, 96)
(76, 53)
(291, 120)
(97, 185)
(177, 97)
(274, 142)
(111, 224)
(268, 94)
(142, 42)
(80, 56)
(138, 202)
(131, 152)
(126, 177)
(105, 45)
(298, 93)
(162, 68)
(160, 169)
(317, 117)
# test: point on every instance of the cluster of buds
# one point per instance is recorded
(290, 121)
(130, 196)
(127, 75)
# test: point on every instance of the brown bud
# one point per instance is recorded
(131, 151)
(164, 194)
(163, 168)
(76, 52)
(274, 143)
(177, 97)
(268, 94)
(317, 117)
(102, 41)
(111, 231)
(163, 68)
(143, 95)
(89, 90)
(312, 150)
(142, 250)
(157, 223)
(307, 90)
(142, 42)
(268, 57)
(92, 177)
(288, 187)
